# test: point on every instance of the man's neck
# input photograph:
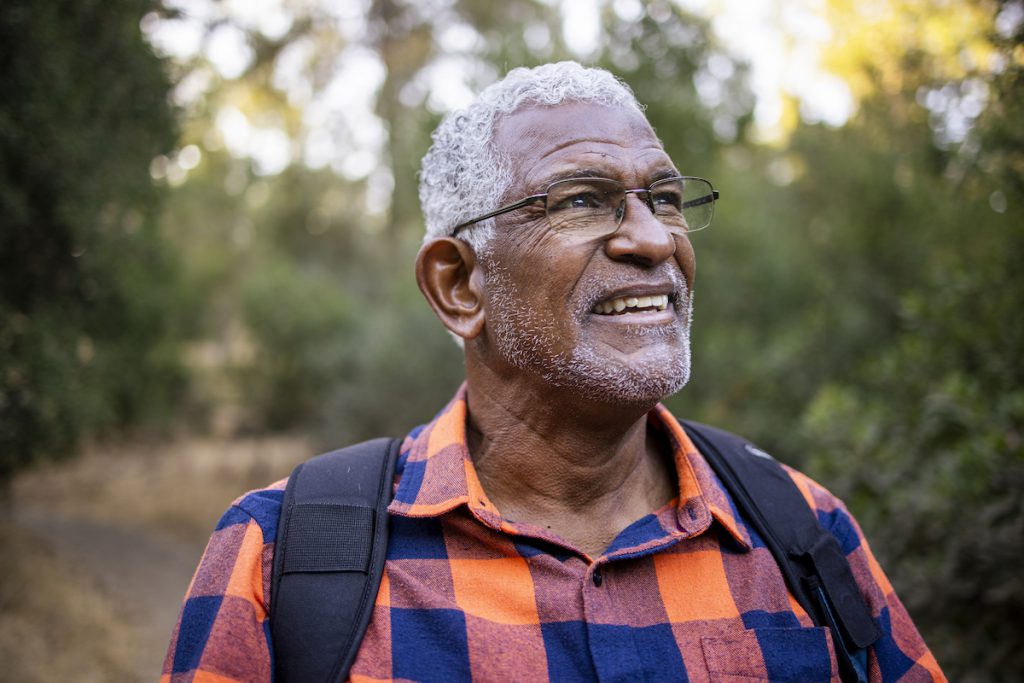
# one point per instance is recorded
(584, 473)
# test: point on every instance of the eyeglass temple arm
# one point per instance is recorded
(497, 212)
(713, 197)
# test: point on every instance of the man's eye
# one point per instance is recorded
(585, 200)
(580, 200)
(668, 200)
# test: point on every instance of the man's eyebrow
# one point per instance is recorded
(573, 174)
(661, 174)
(667, 172)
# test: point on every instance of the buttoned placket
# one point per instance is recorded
(616, 651)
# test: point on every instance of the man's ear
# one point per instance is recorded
(450, 278)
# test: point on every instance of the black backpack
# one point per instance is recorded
(332, 543)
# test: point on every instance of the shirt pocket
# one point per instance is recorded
(775, 655)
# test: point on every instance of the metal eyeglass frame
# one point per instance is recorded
(713, 197)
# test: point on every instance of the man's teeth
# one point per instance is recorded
(658, 302)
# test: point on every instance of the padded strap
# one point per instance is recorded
(328, 560)
(809, 557)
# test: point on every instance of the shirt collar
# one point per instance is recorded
(437, 475)
(699, 486)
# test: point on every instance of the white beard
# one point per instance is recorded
(527, 339)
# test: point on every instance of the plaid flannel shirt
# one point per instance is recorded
(689, 592)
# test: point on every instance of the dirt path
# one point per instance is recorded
(123, 526)
(146, 573)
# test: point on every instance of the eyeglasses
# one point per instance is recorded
(595, 207)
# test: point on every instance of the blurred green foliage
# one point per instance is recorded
(857, 299)
(924, 433)
(302, 321)
(91, 306)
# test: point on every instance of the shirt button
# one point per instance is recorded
(597, 578)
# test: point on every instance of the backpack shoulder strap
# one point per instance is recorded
(810, 558)
(328, 560)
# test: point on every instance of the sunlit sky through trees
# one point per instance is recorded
(782, 41)
(806, 62)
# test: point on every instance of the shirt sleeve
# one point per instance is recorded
(223, 633)
(900, 655)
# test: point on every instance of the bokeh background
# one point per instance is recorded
(208, 219)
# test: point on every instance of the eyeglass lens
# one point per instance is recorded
(594, 207)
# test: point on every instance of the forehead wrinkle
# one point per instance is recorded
(593, 162)
(604, 148)
(598, 141)
(645, 173)
(637, 125)
(529, 137)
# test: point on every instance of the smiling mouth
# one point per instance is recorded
(631, 304)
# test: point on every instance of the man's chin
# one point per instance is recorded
(646, 382)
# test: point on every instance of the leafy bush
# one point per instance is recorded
(90, 301)
(301, 322)
(927, 447)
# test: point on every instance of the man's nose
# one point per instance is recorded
(641, 237)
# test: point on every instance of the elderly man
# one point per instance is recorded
(554, 521)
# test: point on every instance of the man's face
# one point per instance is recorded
(549, 294)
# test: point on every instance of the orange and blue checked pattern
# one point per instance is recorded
(687, 593)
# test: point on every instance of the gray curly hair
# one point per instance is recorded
(463, 175)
